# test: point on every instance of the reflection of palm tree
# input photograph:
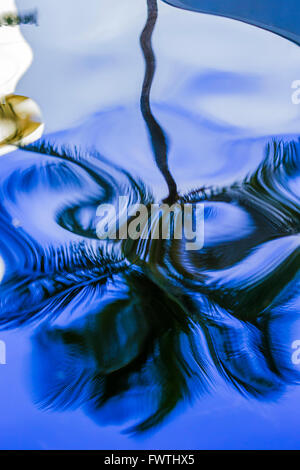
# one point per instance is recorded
(151, 330)
(157, 135)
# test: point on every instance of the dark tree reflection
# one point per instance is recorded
(130, 334)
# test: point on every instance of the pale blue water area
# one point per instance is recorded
(187, 350)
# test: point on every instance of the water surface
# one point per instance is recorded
(178, 349)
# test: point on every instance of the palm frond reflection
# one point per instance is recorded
(130, 337)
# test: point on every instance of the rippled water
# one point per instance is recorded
(176, 348)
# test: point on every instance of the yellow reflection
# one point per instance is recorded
(20, 117)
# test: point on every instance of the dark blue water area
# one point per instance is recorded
(222, 420)
(279, 17)
(150, 346)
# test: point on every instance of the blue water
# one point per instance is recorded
(180, 350)
(279, 17)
